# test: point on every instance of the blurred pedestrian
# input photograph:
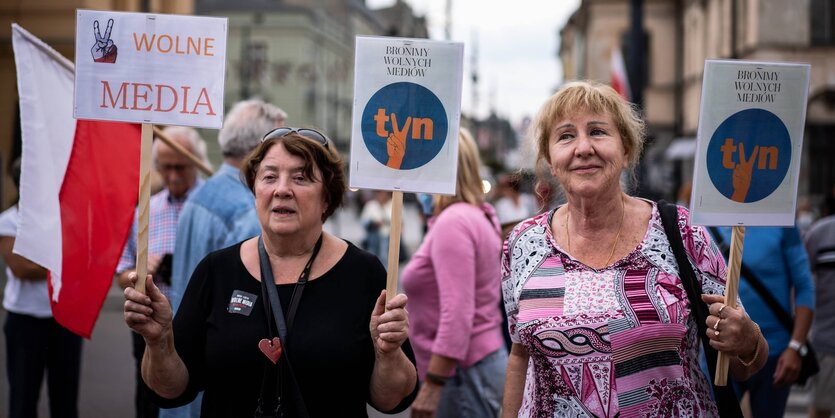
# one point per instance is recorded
(774, 260)
(513, 205)
(820, 245)
(600, 320)
(180, 178)
(35, 342)
(222, 211)
(376, 222)
(453, 283)
(338, 346)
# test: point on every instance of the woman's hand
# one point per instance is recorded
(788, 368)
(426, 402)
(389, 329)
(729, 329)
(149, 315)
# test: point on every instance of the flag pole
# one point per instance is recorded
(394, 244)
(144, 206)
(731, 291)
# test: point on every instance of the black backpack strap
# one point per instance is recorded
(726, 400)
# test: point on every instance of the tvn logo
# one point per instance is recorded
(404, 125)
(750, 176)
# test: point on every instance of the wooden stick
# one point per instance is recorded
(184, 152)
(731, 291)
(394, 244)
(144, 206)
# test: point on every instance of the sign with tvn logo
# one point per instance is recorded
(407, 106)
(150, 68)
(749, 142)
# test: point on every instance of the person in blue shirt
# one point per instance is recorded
(779, 260)
(222, 212)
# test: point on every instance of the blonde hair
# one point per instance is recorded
(595, 98)
(468, 186)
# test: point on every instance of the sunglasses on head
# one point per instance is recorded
(311, 134)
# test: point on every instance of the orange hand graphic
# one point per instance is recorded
(742, 174)
(396, 147)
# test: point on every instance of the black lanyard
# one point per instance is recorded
(275, 320)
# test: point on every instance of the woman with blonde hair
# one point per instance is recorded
(453, 287)
(599, 313)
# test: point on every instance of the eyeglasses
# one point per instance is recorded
(307, 133)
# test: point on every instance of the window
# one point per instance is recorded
(822, 16)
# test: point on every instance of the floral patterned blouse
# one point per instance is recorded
(618, 341)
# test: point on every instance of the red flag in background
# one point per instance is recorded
(97, 203)
(78, 187)
(619, 76)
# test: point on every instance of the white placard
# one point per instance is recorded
(407, 109)
(749, 143)
(150, 68)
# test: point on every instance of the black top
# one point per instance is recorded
(330, 344)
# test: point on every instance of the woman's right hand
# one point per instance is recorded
(149, 315)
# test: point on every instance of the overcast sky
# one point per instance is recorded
(517, 44)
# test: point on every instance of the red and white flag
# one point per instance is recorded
(78, 186)
(619, 76)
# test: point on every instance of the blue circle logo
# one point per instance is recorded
(749, 155)
(404, 125)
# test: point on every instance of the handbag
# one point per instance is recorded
(726, 400)
(809, 366)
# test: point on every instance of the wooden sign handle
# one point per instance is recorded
(143, 206)
(731, 291)
(394, 244)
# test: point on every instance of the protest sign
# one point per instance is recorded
(150, 68)
(748, 154)
(749, 143)
(407, 107)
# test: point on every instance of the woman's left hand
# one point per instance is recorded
(389, 328)
(729, 329)
(426, 403)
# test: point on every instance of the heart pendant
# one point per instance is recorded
(271, 349)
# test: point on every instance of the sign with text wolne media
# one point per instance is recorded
(749, 143)
(407, 107)
(150, 68)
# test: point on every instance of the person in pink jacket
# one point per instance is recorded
(454, 284)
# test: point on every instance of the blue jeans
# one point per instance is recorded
(475, 391)
(766, 399)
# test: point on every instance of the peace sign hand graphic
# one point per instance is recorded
(104, 50)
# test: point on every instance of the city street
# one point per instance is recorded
(107, 380)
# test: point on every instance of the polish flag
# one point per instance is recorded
(619, 77)
(78, 186)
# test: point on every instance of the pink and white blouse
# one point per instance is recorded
(619, 340)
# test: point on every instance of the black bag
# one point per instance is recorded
(726, 400)
(809, 366)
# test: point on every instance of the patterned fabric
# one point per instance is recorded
(618, 341)
(163, 213)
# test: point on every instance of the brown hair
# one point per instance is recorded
(596, 98)
(314, 155)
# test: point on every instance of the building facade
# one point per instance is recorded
(681, 35)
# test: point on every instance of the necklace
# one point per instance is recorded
(617, 236)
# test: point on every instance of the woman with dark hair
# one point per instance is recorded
(325, 345)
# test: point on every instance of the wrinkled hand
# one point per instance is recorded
(736, 334)
(426, 402)
(788, 368)
(742, 174)
(148, 315)
(396, 148)
(389, 329)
